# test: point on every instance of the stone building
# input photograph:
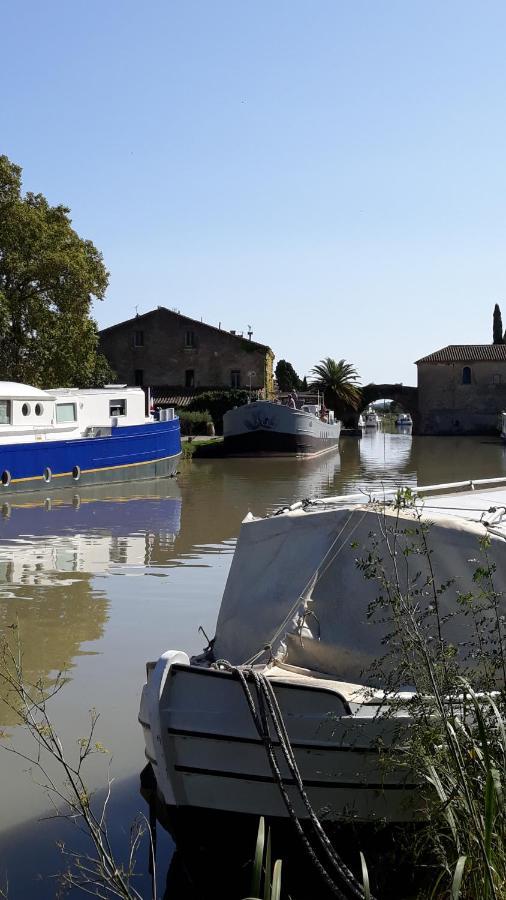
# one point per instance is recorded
(462, 389)
(165, 348)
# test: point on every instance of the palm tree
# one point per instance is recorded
(338, 381)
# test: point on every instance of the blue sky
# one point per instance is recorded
(331, 173)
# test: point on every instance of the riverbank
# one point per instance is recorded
(201, 446)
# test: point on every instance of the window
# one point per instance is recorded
(5, 412)
(138, 339)
(496, 379)
(117, 407)
(65, 412)
(466, 375)
(189, 339)
(26, 409)
(235, 378)
(139, 377)
(189, 378)
(39, 409)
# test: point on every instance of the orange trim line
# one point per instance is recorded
(145, 462)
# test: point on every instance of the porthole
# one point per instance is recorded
(47, 475)
(26, 409)
(39, 409)
(76, 473)
(6, 478)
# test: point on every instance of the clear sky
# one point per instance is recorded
(332, 173)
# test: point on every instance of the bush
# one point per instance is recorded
(217, 403)
(193, 422)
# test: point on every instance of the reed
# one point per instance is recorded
(456, 745)
(265, 878)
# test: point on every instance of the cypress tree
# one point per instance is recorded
(497, 328)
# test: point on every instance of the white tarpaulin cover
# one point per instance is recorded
(279, 558)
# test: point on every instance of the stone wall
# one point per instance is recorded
(165, 348)
(447, 405)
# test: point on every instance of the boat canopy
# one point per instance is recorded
(12, 390)
(295, 583)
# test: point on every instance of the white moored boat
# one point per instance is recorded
(295, 611)
(371, 419)
(264, 428)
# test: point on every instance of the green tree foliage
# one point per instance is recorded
(217, 403)
(303, 386)
(339, 383)
(286, 376)
(497, 326)
(49, 277)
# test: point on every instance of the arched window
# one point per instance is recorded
(466, 375)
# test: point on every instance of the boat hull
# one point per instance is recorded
(270, 429)
(128, 453)
(206, 753)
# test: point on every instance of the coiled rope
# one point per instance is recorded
(342, 882)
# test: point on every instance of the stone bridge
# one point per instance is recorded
(406, 396)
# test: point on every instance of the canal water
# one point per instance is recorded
(100, 581)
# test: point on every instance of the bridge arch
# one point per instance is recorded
(403, 394)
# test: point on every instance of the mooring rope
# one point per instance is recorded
(342, 883)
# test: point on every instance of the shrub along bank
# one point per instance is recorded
(216, 404)
(194, 422)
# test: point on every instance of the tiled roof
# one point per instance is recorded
(167, 396)
(467, 353)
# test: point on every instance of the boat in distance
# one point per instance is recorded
(266, 428)
(295, 625)
(404, 420)
(57, 438)
(371, 419)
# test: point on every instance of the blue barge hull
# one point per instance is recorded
(128, 453)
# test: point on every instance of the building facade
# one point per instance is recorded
(462, 389)
(165, 348)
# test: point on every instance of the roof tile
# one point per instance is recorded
(467, 353)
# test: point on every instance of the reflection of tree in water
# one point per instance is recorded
(49, 556)
(54, 621)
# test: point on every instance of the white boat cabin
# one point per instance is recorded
(316, 409)
(29, 414)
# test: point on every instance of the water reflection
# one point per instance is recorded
(49, 554)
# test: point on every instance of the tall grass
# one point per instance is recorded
(265, 878)
(456, 745)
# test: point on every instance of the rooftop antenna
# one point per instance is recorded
(250, 332)
(136, 311)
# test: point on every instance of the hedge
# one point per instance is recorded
(217, 403)
(193, 422)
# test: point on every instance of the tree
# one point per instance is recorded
(303, 386)
(49, 277)
(286, 376)
(497, 327)
(339, 383)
